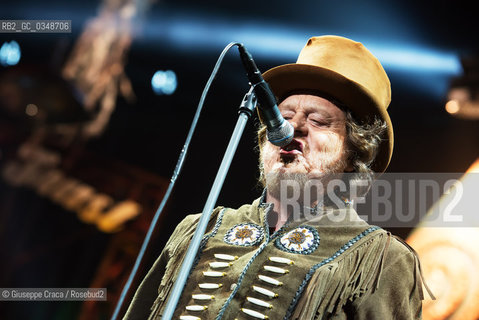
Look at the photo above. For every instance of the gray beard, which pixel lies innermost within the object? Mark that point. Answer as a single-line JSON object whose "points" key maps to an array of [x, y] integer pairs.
{"points": [[307, 190], [276, 180]]}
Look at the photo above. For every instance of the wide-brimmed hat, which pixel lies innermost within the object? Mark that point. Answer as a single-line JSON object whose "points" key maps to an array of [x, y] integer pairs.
{"points": [[346, 71]]}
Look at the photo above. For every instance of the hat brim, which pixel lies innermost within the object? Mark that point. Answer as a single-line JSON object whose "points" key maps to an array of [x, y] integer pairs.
{"points": [[286, 79]]}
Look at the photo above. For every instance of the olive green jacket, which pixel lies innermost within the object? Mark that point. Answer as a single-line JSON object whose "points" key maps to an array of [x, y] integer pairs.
{"points": [[330, 266]]}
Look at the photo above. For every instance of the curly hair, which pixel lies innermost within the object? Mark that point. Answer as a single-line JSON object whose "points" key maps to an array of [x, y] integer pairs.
{"points": [[363, 140]]}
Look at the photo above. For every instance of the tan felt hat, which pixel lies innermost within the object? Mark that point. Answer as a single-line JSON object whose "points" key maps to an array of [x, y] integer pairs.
{"points": [[348, 72]]}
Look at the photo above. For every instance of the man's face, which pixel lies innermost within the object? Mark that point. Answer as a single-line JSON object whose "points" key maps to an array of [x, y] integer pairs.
{"points": [[319, 145]]}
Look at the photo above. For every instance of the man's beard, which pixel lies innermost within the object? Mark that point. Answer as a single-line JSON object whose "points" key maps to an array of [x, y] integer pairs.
{"points": [[310, 188]]}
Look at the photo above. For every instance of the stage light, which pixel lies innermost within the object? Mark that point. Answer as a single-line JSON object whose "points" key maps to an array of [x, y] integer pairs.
{"points": [[474, 168], [452, 106], [282, 43], [164, 82], [463, 95], [31, 110], [10, 53], [424, 69], [448, 251]]}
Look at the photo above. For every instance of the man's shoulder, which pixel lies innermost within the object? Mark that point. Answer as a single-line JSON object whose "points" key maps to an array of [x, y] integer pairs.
{"points": [[193, 219], [398, 252], [249, 207]]}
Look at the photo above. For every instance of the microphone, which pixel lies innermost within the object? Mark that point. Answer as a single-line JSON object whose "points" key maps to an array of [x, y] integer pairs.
{"points": [[279, 131]]}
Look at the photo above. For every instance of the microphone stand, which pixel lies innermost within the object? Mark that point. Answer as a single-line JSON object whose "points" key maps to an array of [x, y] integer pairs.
{"points": [[245, 112]]}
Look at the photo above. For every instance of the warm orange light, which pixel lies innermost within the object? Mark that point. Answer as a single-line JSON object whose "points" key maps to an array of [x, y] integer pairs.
{"points": [[449, 255], [452, 106], [474, 167]]}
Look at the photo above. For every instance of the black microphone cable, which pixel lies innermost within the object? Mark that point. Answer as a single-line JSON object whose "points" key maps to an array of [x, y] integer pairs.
{"points": [[175, 175]]}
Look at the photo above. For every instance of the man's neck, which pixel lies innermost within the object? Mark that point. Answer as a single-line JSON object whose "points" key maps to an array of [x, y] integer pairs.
{"points": [[280, 213]]}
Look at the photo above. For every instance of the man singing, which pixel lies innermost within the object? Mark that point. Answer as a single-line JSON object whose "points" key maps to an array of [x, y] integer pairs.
{"points": [[301, 251]]}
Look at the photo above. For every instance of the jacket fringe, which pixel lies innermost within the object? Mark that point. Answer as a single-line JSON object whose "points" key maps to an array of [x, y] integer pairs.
{"points": [[176, 255], [419, 276], [347, 278], [171, 272]]}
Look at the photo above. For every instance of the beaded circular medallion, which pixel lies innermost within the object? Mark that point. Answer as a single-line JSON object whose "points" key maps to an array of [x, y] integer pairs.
{"points": [[303, 240], [245, 234]]}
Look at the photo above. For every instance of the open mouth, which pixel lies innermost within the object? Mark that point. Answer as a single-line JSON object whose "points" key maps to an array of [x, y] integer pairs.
{"points": [[295, 147]]}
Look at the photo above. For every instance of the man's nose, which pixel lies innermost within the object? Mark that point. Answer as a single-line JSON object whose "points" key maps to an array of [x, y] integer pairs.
{"points": [[299, 124]]}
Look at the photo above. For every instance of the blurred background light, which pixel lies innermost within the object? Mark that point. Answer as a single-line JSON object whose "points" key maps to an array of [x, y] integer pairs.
{"points": [[273, 41], [422, 67], [10, 53], [452, 106], [164, 82], [463, 91], [31, 110], [179, 29]]}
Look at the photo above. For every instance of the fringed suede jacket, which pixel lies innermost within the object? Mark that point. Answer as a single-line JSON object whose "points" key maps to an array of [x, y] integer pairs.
{"points": [[331, 266]]}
